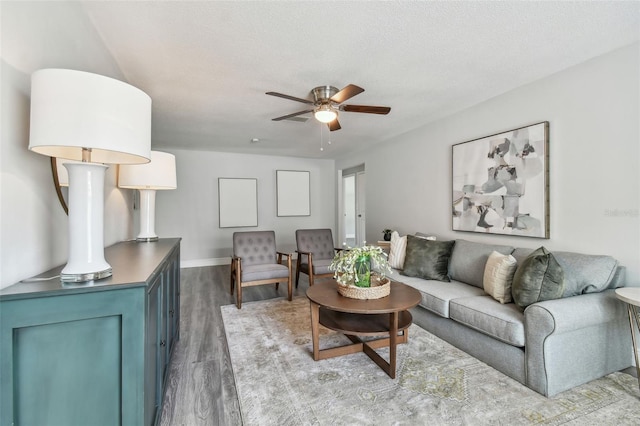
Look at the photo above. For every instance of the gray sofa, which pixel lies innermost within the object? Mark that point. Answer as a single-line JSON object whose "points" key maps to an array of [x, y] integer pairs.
{"points": [[553, 345]]}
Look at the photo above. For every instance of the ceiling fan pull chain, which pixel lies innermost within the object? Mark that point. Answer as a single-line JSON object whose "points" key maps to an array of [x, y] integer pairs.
{"points": [[321, 136]]}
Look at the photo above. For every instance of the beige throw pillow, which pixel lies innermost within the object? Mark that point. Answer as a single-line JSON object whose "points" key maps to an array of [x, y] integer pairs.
{"points": [[498, 276], [397, 250]]}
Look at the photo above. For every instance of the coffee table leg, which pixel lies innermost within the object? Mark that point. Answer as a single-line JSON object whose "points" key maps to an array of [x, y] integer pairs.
{"points": [[315, 329], [634, 315], [393, 342]]}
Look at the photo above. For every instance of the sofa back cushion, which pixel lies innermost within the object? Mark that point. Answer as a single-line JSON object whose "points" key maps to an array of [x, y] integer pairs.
{"points": [[468, 261], [521, 254], [584, 273]]}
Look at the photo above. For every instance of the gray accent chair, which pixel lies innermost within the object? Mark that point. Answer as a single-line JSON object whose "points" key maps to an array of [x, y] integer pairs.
{"points": [[315, 253], [256, 261]]}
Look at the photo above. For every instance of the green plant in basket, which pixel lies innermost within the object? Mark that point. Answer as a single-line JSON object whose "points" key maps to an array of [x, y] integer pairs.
{"points": [[353, 265]]}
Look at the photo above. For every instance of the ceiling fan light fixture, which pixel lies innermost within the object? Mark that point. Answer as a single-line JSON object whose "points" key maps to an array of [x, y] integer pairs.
{"points": [[325, 113]]}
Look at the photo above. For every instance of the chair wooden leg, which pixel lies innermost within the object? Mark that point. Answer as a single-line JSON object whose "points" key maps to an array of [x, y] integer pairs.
{"points": [[232, 282], [298, 270], [290, 286], [310, 277], [239, 297], [277, 285]]}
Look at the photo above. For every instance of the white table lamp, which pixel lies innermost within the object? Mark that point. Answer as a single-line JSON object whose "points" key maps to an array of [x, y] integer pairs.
{"points": [[158, 174], [93, 119]]}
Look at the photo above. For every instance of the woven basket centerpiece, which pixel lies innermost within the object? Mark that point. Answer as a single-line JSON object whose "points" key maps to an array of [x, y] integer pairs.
{"points": [[355, 275], [380, 287]]}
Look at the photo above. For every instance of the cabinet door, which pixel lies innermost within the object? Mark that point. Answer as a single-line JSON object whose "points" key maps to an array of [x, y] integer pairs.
{"points": [[174, 304], [163, 330], [153, 379], [72, 359]]}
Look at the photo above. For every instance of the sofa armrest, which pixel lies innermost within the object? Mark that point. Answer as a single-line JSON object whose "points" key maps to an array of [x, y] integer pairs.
{"points": [[573, 340], [571, 313]]}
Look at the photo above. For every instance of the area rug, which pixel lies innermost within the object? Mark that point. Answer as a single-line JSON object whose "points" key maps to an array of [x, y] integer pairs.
{"points": [[279, 383]]}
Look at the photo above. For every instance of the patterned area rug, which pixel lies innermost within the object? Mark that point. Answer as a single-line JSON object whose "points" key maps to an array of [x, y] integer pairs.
{"points": [[279, 383]]}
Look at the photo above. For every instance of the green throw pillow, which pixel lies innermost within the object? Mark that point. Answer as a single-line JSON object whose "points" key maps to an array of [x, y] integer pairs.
{"points": [[427, 259], [539, 277]]}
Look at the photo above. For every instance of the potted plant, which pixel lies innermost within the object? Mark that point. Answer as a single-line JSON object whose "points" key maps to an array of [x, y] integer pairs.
{"points": [[386, 234], [353, 270]]}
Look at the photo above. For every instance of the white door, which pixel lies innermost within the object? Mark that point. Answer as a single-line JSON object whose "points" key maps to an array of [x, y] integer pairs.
{"points": [[360, 208], [349, 210]]}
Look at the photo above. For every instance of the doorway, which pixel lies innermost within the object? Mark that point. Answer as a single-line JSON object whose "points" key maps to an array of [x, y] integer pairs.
{"points": [[353, 217]]}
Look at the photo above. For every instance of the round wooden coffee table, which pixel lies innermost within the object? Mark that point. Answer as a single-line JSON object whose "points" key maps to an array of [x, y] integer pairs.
{"points": [[387, 317]]}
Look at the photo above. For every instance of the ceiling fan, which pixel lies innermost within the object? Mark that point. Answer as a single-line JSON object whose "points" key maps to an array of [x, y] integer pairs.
{"points": [[327, 101]]}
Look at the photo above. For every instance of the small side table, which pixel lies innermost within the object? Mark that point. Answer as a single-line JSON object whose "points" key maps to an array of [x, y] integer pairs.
{"points": [[384, 245], [631, 296]]}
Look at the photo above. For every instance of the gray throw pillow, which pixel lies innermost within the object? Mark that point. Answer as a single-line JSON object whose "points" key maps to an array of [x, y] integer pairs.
{"points": [[427, 259], [539, 277]]}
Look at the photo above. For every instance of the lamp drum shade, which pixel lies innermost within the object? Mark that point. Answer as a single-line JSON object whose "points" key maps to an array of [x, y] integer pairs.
{"points": [[159, 173], [72, 110]]}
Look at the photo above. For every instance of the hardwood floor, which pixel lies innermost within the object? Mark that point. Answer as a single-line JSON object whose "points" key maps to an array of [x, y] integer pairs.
{"points": [[200, 385]]}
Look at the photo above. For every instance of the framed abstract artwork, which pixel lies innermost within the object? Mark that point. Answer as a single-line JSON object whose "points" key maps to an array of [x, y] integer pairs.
{"points": [[238, 202], [500, 183], [292, 194]]}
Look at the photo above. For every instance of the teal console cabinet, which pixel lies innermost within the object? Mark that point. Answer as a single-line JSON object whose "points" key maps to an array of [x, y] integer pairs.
{"points": [[94, 353]]}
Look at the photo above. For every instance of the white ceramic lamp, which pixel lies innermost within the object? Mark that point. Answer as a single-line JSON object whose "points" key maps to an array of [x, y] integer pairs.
{"points": [[93, 119], [159, 174]]}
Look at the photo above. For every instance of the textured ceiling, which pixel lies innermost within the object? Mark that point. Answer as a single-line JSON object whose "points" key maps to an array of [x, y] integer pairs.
{"points": [[207, 65]]}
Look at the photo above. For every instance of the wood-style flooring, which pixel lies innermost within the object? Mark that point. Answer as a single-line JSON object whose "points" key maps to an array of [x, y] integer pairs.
{"points": [[200, 386]]}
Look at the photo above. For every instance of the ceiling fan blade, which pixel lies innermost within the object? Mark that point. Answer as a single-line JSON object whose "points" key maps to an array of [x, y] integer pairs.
{"points": [[366, 109], [291, 98], [284, 117], [348, 92], [334, 125]]}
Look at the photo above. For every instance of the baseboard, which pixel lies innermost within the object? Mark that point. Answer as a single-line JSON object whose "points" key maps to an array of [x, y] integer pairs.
{"points": [[196, 263]]}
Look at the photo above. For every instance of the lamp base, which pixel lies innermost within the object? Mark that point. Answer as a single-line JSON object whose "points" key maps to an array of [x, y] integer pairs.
{"points": [[86, 276], [146, 239], [86, 217]]}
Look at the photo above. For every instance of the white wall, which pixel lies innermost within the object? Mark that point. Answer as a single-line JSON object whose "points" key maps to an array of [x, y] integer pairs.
{"points": [[594, 121], [191, 211]]}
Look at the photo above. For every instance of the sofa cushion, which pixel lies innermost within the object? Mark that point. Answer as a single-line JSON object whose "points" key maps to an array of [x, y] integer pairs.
{"points": [[469, 259], [427, 259], [482, 313], [498, 276], [397, 250], [520, 254], [320, 266], [264, 272], [585, 273], [539, 277], [437, 294]]}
